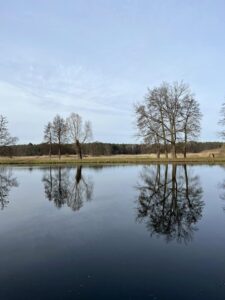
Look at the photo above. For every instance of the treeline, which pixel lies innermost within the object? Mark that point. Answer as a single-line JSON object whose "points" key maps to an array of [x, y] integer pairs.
{"points": [[97, 149]]}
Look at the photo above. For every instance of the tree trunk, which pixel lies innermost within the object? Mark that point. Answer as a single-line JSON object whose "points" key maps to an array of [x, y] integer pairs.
{"points": [[50, 172], [164, 134], [185, 151], [185, 144], [158, 146], [173, 139], [50, 150], [78, 174], [186, 183], [173, 150], [158, 175], [174, 188], [166, 151], [59, 152], [60, 183], [79, 150], [158, 152], [165, 181]]}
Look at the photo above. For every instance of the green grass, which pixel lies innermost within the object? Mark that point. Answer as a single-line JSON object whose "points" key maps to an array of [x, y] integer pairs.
{"points": [[117, 159]]}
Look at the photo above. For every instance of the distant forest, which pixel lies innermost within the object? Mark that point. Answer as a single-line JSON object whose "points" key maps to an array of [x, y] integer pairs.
{"points": [[97, 148]]}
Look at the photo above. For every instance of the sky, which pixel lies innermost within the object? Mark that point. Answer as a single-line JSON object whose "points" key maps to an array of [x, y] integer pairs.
{"points": [[98, 57]]}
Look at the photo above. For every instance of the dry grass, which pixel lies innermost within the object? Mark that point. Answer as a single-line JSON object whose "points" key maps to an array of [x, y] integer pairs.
{"points": [[203, 157]]}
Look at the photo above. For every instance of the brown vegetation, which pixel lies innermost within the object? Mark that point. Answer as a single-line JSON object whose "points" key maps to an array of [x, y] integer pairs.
{"points": [[203, 157]]}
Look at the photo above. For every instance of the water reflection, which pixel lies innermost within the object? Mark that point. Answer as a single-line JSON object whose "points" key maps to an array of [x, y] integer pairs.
{"points": [[221, 187], [67, 186], [169, 201], [7, 182]]}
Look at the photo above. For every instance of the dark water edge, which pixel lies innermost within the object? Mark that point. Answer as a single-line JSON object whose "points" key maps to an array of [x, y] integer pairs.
{"points": [[112, 232]]}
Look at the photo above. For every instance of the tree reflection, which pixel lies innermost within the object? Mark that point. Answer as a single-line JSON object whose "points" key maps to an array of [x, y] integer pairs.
{"points": [[221, 186], [169, 201], [67, 186], [7, 182]]}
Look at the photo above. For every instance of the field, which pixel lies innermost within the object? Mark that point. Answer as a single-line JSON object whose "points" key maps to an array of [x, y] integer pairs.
{"points": [[202, 157]]}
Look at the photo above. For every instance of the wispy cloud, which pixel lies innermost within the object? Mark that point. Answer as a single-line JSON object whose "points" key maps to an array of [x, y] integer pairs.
{"points": [[68, 87], [46, 89]]}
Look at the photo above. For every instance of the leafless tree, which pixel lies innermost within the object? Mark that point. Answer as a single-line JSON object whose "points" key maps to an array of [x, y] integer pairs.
{"points": [[59, 131], [170, 114], [222, 121], [78, 132], [48, 136], [148, 126], [191, 127], [5, 137]]}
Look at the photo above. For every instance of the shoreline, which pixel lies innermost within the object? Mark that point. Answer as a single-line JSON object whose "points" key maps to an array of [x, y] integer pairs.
{"points": [[117, 159]]}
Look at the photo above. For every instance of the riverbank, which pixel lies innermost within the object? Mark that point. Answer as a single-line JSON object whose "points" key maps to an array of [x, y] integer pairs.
{"points": [[116, 159]]}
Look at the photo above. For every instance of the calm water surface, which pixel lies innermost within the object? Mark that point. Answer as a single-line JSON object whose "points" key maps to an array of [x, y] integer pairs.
{"points": [[121, 232]]}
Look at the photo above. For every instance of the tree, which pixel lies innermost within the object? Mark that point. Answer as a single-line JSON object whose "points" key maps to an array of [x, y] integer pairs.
{"points": [[190, 112], [148, 127], [78, 132], [5, 138], [153, 118], [169, 114], [222, 121], [59, 130], [48, 136]]}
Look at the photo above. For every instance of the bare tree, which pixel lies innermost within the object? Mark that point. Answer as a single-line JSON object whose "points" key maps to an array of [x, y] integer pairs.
{"points": [[5, 138], [148, 126], [169, 114], [59, 130], [48, 136], [191, 127], [222, 121], [78, 132]]}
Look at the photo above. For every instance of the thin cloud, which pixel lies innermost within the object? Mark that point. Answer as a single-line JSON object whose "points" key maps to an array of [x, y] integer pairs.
{"points": [[67, 87]]}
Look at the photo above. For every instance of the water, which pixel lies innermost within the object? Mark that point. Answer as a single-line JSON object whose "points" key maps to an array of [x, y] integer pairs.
{"points": [[121, 232]]}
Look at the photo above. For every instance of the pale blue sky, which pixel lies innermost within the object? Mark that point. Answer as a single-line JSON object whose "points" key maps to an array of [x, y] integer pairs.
{"points": [[98, 57]]}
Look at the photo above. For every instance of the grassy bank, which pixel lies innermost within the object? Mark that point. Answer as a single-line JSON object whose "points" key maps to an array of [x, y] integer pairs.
{"points": [[116, 159]]}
